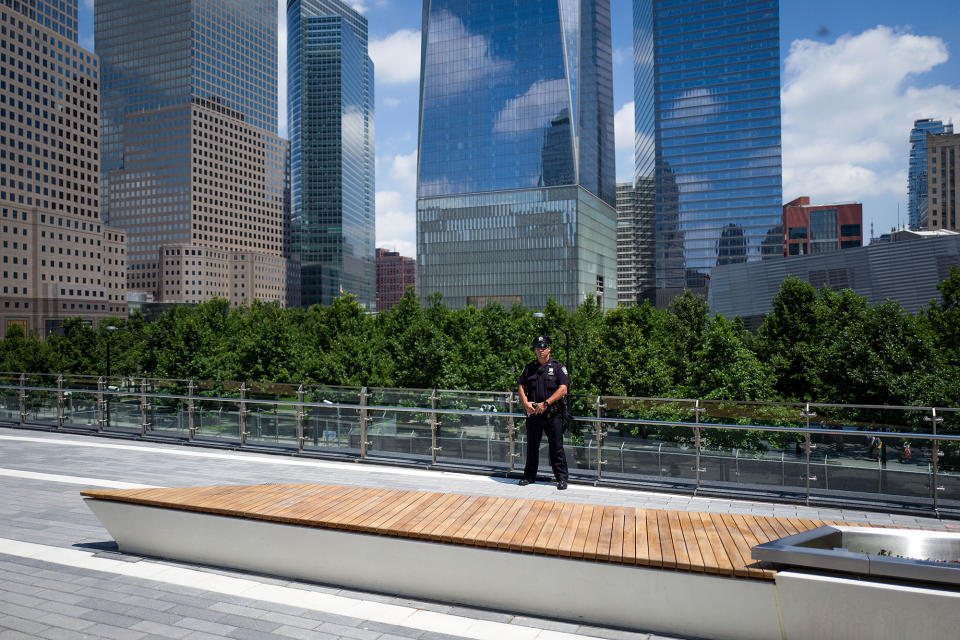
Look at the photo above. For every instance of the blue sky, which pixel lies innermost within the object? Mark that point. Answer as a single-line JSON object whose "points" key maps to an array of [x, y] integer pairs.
{"points": [[855, 75]]}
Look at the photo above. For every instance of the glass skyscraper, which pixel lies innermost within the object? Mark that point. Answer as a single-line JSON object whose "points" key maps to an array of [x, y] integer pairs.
{"points": [[707, 110], [330, 123], [917, 185], [515, 183], [191, 164]]}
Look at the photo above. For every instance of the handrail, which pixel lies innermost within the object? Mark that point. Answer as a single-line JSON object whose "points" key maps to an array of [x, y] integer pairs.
{"points": [[497, 428]]}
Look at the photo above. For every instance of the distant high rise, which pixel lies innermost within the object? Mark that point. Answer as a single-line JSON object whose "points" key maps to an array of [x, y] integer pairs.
{"points": [[59, 259], [330, 122], [943, 163], [635, 244], [395, 273], [917, 185], [707, 125], [192, 167], [515, 184]]}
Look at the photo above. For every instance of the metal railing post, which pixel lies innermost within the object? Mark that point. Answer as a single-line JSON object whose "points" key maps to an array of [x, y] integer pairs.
{"points": [[243, 414], [935, 487], [697, 410], [101, 404], [433, 428], [512, 431], [144, 424], [807, 414], [299, 419], [600, 433], [191, 418], [23, 398], [363, 423], [60, 402]]}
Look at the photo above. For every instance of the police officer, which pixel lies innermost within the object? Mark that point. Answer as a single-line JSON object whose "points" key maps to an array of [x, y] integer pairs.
{"points": [[542, 384]]}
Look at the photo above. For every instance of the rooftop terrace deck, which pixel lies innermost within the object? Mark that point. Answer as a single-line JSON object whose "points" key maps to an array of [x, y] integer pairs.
{"points": [[59, 574]]}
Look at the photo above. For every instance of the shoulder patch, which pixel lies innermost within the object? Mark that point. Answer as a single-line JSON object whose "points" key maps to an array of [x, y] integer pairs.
{"points": [[564, 369]]}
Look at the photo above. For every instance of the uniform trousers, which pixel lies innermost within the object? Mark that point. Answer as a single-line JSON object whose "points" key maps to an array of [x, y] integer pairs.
{"points": [[537, 425]]}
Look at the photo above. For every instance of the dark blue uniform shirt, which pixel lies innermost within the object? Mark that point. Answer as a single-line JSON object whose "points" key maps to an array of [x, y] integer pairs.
{"points": [[540, 381]]}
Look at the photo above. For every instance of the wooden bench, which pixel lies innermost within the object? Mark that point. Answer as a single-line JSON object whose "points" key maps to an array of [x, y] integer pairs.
{"points": [[717, 543]]}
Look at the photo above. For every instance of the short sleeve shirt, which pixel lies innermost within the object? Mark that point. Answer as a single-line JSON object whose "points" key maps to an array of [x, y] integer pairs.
{"points": [[540, 381]]}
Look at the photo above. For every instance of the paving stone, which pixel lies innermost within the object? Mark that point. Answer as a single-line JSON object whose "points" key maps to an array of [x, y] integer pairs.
{"points": [[24, 625], [159, 629], [348, 632], [303, 634], [206, 626]]}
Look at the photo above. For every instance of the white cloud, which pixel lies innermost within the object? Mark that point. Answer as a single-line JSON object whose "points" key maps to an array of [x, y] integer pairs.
{"points": [[403, 171], [397, 203], [538, 103], [623, 127], [89, 4], [621, 54], [360, 7], [848, 107], [396, 222], [396, 58], [391, 102]]}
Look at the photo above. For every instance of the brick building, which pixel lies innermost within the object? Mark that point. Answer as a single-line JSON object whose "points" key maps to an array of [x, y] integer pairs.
{"points": [[821, 228], [394, 274]]}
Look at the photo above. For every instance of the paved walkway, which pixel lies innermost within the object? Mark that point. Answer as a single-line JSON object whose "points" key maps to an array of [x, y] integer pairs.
{"points": [[61, 578]]}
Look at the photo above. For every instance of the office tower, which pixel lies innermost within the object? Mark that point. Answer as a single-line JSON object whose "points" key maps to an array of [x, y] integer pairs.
{"points": [[192, 167], [330, 121], [707, 118], [917, 180], [515, 184], [58, 16], [943, 174], [58, 258], [395, 273], [812, 229], [635, 246]]}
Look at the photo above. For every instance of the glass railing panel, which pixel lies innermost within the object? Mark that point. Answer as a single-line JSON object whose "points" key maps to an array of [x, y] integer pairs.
{"points": [[122, 411], [272, 425], [482, 437], [41, 408], [217, 420], [10, 403], [649, 447], [863, 465], [80, 410], [329, 426], [403, 434], [168, 417], [948, 468]]}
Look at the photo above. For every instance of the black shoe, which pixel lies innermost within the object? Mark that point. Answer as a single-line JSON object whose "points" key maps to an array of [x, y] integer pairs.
{"points": [[561, 485], [524, 482]]}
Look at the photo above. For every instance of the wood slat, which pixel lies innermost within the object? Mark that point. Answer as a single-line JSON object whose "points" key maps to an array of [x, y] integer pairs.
{"points": [[716, 543]]}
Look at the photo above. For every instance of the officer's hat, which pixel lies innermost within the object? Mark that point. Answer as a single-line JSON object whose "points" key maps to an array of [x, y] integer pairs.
{"points": [[541, 342]]}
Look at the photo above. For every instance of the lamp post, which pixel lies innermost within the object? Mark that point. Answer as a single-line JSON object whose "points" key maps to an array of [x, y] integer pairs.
{"points": [[566, 345], [109, 340]]}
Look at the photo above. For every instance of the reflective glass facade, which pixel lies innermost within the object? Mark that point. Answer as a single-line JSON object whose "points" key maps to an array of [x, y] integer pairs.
{"points": [[707, 109], [190, 156], [169, 53], [917, 186], [331, 124], [515, 184]]}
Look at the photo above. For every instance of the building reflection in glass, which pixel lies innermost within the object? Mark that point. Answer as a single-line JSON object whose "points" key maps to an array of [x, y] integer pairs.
{"points": [[515, 185], [707, 109]]}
